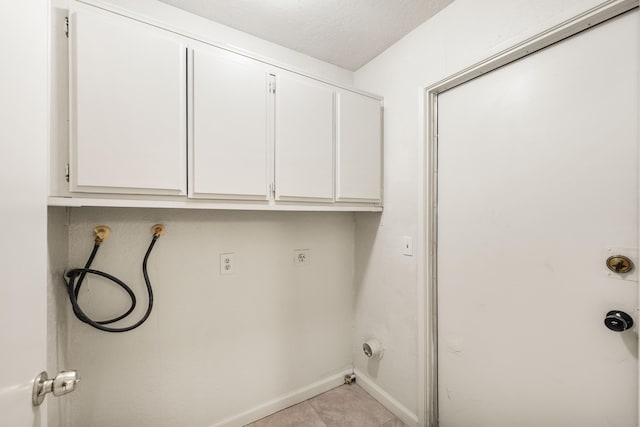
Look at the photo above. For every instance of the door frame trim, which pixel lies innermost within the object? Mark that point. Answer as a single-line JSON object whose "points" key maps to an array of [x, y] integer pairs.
{"points": [[428, 336]]}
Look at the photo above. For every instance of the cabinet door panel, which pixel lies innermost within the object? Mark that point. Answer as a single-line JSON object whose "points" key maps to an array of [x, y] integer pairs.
{"points": [[304, 140], [128, 106], [230, 121], [359, 148]]}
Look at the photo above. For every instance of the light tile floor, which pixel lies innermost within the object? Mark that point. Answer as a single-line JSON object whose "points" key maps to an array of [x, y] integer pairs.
{"points": [[344, 406]]}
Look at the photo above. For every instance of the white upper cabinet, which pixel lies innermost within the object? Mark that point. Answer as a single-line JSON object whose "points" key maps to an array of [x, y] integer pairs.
{"points": [[128, 106], [358, 148], [154, 112], [231, 121], [304, 139]]}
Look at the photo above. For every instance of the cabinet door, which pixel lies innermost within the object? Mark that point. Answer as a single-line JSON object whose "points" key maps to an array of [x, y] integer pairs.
{"points": [[128, 106], [230, 145], [359, 148], [304, 139]]}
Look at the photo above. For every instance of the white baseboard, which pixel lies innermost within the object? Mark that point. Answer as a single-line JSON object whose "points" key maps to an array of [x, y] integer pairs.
{"points": [[285, 401], [399, 410]]}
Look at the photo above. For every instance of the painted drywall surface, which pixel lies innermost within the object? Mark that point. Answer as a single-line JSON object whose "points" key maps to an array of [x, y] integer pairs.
{"points": [[57, 304], [388, 286], [215, 345]]}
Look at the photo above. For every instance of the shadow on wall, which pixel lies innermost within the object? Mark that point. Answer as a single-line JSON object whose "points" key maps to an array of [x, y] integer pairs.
{"points": [[373, 365], [631, 342], [57, 309], [367, 225]]}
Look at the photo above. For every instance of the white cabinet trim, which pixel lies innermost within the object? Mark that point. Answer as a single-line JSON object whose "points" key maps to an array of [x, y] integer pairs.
{"points": [[183, 203]]}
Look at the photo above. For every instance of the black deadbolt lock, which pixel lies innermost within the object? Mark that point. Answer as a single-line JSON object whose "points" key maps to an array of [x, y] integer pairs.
{"points": [[618, 321]]}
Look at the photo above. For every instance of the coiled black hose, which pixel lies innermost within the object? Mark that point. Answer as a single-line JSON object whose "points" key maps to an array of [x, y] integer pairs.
{"points": [[73, 289]]}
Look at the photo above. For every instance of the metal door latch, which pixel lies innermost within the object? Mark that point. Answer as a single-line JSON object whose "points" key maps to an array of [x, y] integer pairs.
{"points": [[63, 383]]}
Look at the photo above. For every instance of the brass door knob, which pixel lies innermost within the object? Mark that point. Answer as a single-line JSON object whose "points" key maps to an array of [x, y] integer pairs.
{"points": [[619, 264]]}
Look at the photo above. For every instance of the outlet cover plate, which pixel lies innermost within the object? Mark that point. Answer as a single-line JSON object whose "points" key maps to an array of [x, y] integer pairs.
{"points": [[227, 264]]}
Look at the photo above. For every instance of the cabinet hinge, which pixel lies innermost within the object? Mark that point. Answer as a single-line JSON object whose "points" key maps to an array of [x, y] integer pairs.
{"points": [[272, 189], [272, 84], [66, 172], [66, 26]]}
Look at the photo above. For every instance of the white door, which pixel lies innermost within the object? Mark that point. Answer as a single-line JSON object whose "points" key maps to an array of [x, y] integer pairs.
{"points": [[23, 185], [537, 179]]}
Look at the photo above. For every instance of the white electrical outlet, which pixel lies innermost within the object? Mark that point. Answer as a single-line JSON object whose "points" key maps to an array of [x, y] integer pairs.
{"points": [[227, 264], [301, 256]]}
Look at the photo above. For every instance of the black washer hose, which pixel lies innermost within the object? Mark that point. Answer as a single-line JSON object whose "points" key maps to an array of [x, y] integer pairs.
{"points": [[73, 289]]}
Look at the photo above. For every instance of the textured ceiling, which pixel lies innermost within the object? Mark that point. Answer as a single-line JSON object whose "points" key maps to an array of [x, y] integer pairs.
{"points": [[347, 33]]}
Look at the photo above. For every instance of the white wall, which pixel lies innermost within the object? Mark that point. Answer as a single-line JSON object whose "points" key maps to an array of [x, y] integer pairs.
{"points": [[215, 346], [389, 291], [216, 349]]}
